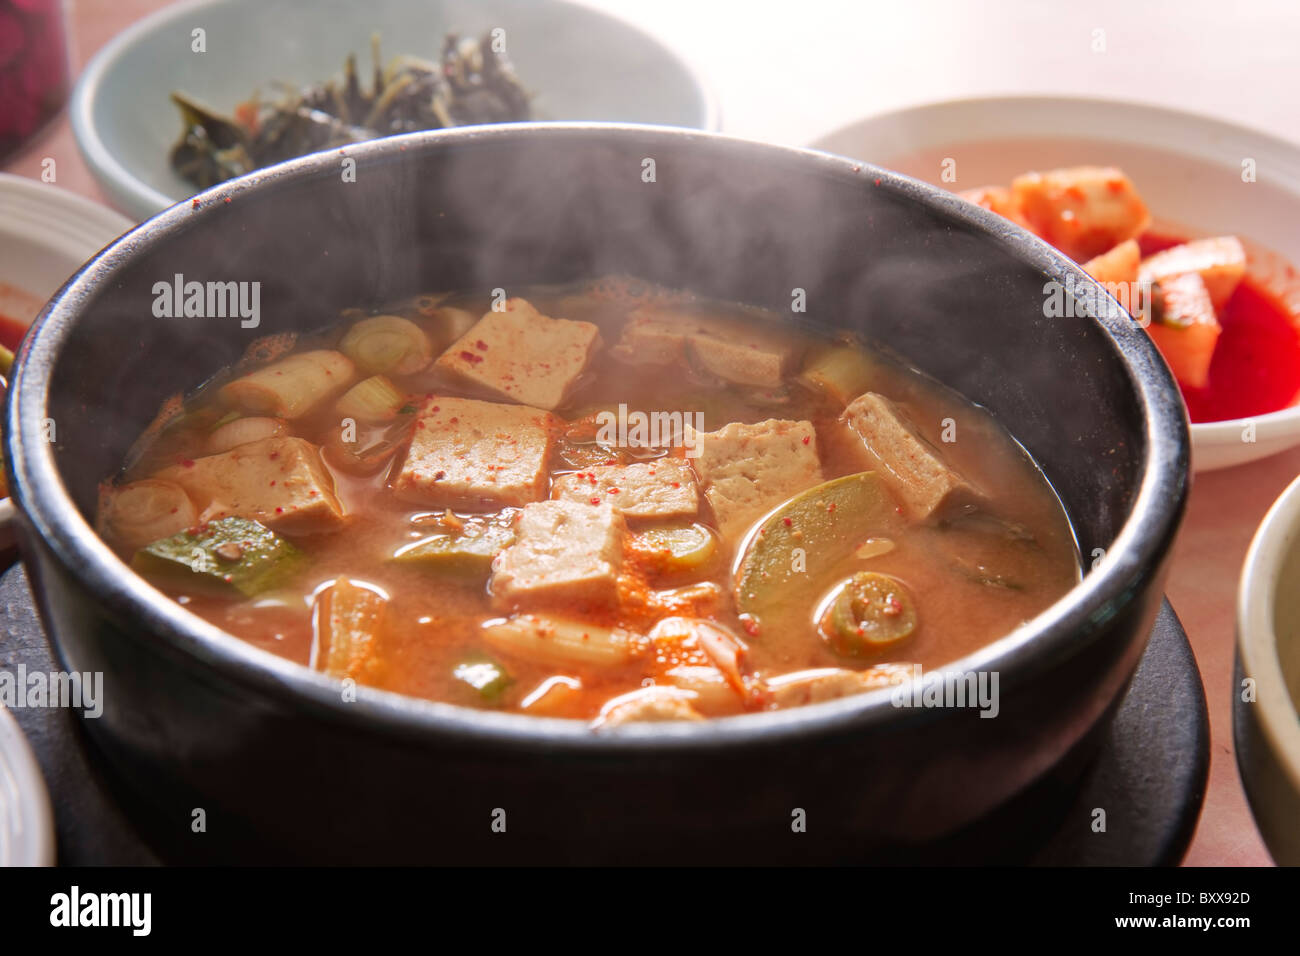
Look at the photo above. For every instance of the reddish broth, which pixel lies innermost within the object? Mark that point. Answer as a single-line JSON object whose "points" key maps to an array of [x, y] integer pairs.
{"points": [[435, 621]]}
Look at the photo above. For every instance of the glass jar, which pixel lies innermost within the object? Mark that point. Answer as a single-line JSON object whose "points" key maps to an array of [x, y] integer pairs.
{"points": [[34, 73]]}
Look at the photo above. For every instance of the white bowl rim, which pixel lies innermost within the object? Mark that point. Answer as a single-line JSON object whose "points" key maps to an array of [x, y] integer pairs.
{"points": [[42, 211], [54, 208], [30, 824], [137, 194], [1279, 424], [1278, 719]]}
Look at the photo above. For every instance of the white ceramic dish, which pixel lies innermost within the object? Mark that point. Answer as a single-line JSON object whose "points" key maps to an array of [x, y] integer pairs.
{"points": [[46, 233], [1267, 728], [1188, 168], [581, 64], [26, 822]]}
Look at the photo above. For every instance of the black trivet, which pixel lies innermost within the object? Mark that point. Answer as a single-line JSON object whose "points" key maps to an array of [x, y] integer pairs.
{"points": [[1149, 776]]}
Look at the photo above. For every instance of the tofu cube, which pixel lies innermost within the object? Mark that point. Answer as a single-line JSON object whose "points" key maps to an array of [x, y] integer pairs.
{"points": [[654, 336], [735, 349], [520, 355], [1185, 329], [912, 468], [1220, 262], [1082, 210], [467, 452], [747, 470], [280, 482], [564, 552], [664, 488]]}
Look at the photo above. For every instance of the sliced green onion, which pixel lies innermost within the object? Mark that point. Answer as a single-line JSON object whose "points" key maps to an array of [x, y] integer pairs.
{"points": [[372, 400], [241, 431], [291, 387], [144, 511], [387, 344]]}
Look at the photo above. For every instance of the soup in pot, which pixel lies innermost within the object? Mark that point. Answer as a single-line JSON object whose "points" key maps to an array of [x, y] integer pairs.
{"points": [[608, 501]]}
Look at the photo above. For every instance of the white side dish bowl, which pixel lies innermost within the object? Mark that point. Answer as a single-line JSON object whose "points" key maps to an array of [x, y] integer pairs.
{"points": [[1189, 169]]}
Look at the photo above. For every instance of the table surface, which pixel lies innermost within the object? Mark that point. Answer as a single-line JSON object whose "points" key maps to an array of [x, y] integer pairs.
{"points": [[790, 78]]}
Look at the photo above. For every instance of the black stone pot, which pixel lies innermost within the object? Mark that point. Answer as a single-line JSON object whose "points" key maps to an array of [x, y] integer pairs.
{"points": [[285, 769]]}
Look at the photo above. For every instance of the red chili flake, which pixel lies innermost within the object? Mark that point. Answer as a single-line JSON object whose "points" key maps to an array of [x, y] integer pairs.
{"points": [[453, 420], [677, 484], [273, 484], [877, 182], [312, 494], [439, 476], [227, 199], [613, 491], [806, 439], [470, 357], [279, 511], [436, 408], [788, 523], [831, 506], [187, 462], [751, 627], [595, 501], [194, 204], [419, 423], [481, 345]]}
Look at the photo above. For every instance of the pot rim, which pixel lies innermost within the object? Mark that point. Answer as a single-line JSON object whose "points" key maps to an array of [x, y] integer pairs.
{"points": [[49, 514]]}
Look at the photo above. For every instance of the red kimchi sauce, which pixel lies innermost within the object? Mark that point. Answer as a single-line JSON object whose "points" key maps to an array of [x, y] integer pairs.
{"points": [[11, 332], [1256, 364]]}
